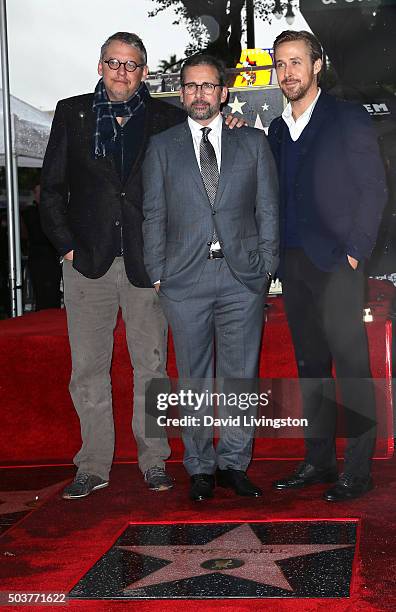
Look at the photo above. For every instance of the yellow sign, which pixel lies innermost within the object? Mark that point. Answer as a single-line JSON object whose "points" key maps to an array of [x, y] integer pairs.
{"points": [[251, 58]]}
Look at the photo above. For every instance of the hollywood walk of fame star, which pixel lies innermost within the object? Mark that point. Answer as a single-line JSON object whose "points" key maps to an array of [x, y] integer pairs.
{"points": [[226, 553], [265, 107], [25, 501], [236, 106]]}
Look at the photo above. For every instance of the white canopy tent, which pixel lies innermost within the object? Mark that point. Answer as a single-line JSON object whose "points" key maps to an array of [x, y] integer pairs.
{"points": [[22, 143], [27, 138], [30, 131]]}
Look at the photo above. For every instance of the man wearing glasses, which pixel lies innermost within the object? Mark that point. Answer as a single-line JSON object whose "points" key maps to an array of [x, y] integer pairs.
{"points": [[91, 211], [210, 245]]}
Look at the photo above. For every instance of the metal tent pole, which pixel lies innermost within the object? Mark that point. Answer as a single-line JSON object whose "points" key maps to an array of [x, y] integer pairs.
{"points": [[12, 205], [17, 235]]}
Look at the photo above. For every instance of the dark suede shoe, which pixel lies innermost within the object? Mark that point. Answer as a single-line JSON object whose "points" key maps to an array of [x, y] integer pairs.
{"points": [[237, 480], [83, 485], [157, 479], [202, 486], [348, 487], [306, 474]]}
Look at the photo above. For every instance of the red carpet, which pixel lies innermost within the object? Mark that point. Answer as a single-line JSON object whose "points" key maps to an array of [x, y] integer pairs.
{"points": [[53, 546], [47, 544], [39, 424]]}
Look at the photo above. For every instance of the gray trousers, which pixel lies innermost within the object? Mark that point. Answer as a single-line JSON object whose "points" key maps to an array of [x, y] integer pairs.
{"points": [[92, 307], [220, 317]]}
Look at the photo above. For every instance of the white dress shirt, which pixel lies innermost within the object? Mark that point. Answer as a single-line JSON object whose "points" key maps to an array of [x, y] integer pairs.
{"points": [[297, 126], [214, 137]]}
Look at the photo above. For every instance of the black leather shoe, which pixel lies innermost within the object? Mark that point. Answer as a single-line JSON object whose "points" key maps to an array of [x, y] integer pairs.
{"points": [[237, 480], [306, 474], [202, 486], [348, 487]]}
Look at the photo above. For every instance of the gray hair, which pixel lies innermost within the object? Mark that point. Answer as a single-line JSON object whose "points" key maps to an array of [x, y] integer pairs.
{"points": [[204, 59], [129, 39]]}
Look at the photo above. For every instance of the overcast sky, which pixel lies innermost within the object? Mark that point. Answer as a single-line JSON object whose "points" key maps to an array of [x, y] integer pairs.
{"points": [[54, 44]]}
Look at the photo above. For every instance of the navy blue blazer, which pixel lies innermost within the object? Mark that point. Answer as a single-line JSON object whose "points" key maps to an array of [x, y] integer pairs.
{"points": [[340, 188]]}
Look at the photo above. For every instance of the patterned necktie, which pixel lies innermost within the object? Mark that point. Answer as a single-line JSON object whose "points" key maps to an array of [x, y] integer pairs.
{"points": [[209, 169]]}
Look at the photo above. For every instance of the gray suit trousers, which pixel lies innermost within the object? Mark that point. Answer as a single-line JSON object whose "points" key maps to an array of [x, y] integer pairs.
{"points": [[220, 320], [92, 307]]}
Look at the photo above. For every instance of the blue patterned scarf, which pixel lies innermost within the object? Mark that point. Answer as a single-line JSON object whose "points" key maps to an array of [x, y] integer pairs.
{"points": [[107, 111]]}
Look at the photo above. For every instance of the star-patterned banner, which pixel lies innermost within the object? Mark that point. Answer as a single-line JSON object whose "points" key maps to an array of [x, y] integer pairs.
{"points": [[257, 105], [225, 560]]}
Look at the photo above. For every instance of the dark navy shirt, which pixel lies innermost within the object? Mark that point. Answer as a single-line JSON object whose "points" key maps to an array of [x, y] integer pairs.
{"points": [[128, 144], [126, 150], [293, 152]]}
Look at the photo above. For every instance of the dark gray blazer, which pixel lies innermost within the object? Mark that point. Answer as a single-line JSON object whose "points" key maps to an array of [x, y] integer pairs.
{"points": [[178, 219]]}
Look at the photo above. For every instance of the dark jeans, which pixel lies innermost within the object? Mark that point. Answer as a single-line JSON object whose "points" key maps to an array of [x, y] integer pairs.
{"points": [[325, 315]]}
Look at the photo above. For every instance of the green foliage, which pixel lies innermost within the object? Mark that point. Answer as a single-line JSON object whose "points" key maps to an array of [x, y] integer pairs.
{"points": [[172, 62]]}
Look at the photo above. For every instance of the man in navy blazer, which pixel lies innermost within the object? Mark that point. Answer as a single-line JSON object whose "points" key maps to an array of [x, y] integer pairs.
{"points": [[332, 190]]}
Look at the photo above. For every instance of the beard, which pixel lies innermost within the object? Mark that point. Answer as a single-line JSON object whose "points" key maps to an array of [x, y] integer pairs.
{"points": [[207, 112], [299, 91]]}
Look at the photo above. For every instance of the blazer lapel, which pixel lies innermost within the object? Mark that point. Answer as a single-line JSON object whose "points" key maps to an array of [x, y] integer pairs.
{"points": [[279, 151], [146, 135], [228, 152]]}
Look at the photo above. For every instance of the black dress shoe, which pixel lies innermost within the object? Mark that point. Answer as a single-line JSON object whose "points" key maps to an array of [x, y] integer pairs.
{"points": [[237, 480], [348, 487], [202, 486], [306, 474]]}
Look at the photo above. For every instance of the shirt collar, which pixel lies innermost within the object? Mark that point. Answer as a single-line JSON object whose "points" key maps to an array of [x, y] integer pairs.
{"points": [[215, 125], [288, 116]]}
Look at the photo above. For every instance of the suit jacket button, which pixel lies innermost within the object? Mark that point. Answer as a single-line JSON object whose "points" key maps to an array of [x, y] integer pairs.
{"points": [[213, 212], [208, 243], [123, 194]]}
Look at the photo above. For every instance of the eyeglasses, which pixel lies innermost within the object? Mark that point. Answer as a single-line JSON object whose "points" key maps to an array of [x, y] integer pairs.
{"points": [[130, 65], [206, 88]]}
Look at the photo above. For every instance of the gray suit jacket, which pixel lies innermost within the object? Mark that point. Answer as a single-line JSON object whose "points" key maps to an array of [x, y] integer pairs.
{"points": [[178, 219]]}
